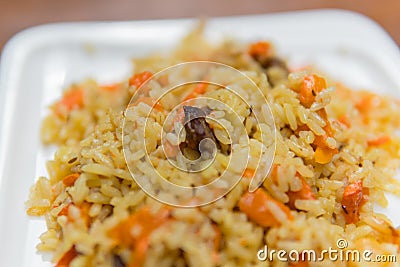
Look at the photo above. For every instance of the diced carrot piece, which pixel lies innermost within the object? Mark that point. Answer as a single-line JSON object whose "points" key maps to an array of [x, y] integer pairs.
{"points": [[344, 120], [352, 201], [368, 102], [135, 231], [150, 102], [64, 211], [274, 173], [140, 78], [320, 141], [69, 180], [139, 253], [199, 89], [310, 87], [304, 193], [248, 173], [379, 141], [67, 258], [163, 80], [261, 208], [261, 48], [71, 100], [324, 155]]}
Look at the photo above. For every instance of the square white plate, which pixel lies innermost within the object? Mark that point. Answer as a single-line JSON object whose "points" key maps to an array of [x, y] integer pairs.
{"points": [[39, 62]]}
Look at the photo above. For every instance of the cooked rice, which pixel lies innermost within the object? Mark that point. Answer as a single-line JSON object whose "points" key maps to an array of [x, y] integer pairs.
{"points": [[81, 215]]}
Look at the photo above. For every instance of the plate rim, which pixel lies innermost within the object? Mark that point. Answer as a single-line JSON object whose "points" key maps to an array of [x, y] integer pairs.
{"points": [[14, 53]]}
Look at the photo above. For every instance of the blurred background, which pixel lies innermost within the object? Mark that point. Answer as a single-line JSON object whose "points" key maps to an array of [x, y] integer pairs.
{"points": [[16, 15]]}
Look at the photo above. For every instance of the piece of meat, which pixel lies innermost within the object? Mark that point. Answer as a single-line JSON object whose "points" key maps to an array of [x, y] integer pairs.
{"points": [[196, 127]]}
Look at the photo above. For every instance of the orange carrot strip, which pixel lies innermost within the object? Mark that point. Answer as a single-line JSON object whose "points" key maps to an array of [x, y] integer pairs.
{"points": [[310, 87], [67, 258], [305, 193], [379, 141], [352, 201], [145, 223], [257, 206], [274, 173], [320, 140], [69, 180], [323, 153], [140, 78], [261, 48]]}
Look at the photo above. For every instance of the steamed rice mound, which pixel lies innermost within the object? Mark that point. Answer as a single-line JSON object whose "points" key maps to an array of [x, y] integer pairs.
{"points": [[337, 153]]}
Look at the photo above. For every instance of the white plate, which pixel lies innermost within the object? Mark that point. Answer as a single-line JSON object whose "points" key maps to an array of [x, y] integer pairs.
{"points": [[39, 62]]}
